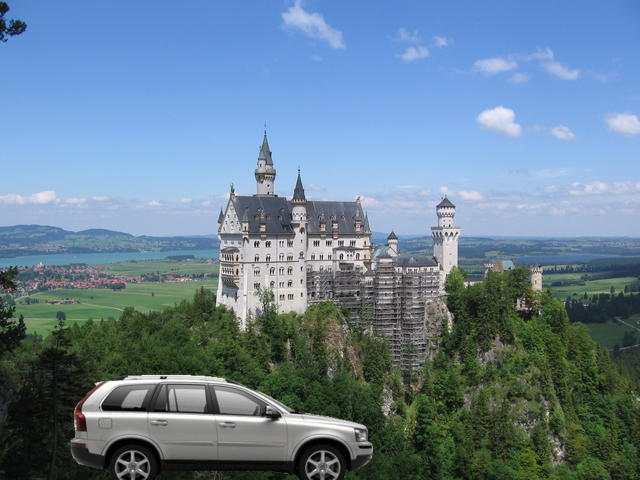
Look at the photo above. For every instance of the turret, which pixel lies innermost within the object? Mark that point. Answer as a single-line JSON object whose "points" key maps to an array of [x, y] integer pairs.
{"points": [[392, 243], [445, 236], [299, 202], [445, 211], [265, 173], [536, 278]]}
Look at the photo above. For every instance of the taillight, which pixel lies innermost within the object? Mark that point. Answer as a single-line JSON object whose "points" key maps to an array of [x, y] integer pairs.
{"points": [[78, 416]]}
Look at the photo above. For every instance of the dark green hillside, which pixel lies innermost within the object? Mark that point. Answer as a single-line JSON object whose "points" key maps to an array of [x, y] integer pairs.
{"points": [[40, 239], [509, 396]]}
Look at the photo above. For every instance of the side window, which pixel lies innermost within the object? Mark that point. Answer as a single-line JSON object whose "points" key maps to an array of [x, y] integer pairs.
{"points": [[235, 402], [128, 398], [181, 399]]}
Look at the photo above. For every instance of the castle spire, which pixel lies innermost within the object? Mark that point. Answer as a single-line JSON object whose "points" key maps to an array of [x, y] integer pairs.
{"points": [[265, 173], [265, 152], [298, 192]]}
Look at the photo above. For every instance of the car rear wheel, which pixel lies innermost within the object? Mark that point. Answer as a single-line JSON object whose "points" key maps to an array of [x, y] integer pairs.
{"points": [[133, 462], [322, 462]]}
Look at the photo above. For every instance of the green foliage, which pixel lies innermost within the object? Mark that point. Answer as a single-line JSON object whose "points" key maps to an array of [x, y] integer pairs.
{"points": [[509, 395], [9, 28]]}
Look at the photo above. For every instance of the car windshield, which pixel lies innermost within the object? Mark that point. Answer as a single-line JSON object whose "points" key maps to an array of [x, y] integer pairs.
{"points": [[279, 404]]}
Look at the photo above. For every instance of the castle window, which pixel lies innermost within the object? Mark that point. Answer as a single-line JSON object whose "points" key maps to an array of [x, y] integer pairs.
{"points": [[267, 244], [309, 268], [256, 244], [316, 243], [256, 258], [334, 225], [245, 227], [328, 269], [321, 256], [357, 256], [342, 256], [281, 243], [352, 243], [272, 284], [290, 283], [272, 271], [281, 297], [256, 286], [263, 227], [341, 243], [256, 272], [281, 284], [290, 270], [289, 258], [313, 256], [290, 296], [290, 243], [281, 257], [329, 243], [301, 254], [281, 270], [323, 227], [329, 257], [268, 258], [322, 268]]}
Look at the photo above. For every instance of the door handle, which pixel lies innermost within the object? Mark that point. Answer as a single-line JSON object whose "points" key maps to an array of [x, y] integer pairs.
{"points": [[159, 422], [228, 425]]}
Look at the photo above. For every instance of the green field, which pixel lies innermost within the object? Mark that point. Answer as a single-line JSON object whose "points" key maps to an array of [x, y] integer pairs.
{"points": [[104, 303], [590, 286], [610, 333], [181, 267]]}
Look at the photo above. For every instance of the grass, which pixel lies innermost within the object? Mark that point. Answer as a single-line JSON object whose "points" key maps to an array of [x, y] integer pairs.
{"points": [[610, 333], [181, 267], [104, 303], [590, 286]]}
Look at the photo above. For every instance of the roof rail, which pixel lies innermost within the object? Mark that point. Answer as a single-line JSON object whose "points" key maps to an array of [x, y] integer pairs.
{"points": [[174, 377]]}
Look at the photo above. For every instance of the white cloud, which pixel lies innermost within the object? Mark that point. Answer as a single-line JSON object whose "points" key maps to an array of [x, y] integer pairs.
{"points": [[314, 188], [518, 78], [407, 36], [186, 200], [471, 195], [594, 188], [562, 132], [494, 66], [312, 25], [425, 192], [626, 123], [368, 202], [501, 120], [75, 201], [445, 190], [414, 53], [440, 42], [40, 198], [206, 203], [546, 54], [406, 187], [561, 71], [100, 198], [153, 203]]}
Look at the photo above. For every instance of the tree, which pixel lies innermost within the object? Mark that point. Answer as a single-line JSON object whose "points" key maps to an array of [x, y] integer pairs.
{"points": [[9, 28], [61, 316], [12, 331]]}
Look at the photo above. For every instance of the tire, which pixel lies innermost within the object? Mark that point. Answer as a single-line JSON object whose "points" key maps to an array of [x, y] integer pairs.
{"points": [[322, 462], [131, 456]]}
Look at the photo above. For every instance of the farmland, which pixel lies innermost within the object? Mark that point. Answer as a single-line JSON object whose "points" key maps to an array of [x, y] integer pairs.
{"points": [[104, 303]]}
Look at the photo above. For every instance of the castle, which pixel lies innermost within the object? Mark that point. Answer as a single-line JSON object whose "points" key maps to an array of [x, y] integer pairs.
{"points": [[308, 251]]}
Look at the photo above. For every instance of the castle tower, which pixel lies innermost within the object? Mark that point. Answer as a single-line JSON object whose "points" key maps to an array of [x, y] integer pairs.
{"points": [[299, 202], [536, 278], [392, 243], [265, 173], [445, 236]]}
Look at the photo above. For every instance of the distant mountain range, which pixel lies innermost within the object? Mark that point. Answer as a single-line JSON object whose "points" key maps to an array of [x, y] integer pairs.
{"points": [[20, 240]]}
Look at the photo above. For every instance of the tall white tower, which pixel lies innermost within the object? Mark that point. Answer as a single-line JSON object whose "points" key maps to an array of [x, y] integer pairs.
{"points": [[445, 236], [265, 173], [536, 278]]}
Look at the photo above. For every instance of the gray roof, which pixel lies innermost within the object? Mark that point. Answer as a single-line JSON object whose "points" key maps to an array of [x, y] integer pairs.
{"points": [[265, 153], [298, 192], [446, 203], [230, 250], [221, 217], [267, 209], [392, 236], [344, 213], [418, 261]]}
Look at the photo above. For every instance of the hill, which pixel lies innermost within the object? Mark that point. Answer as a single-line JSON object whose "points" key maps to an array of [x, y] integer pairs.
{"points": [[508, 395], [42, 239]]}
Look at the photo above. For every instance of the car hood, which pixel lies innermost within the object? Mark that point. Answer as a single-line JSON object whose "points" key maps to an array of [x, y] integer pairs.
{"points": [[331, 420]]}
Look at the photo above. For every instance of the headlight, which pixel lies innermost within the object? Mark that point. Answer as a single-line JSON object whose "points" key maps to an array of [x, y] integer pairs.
{"points": [[361, 434]]}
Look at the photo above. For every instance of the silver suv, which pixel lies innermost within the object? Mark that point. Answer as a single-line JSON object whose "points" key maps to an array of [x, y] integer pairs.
{"points": [[138, 426]]}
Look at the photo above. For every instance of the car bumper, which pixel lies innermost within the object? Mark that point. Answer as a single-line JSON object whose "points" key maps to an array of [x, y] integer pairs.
{"points": [[363, 456], [83, 456]]}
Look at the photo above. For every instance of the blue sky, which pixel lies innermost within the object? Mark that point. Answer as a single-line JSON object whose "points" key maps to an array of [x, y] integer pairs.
{"points": [[136, 116]]}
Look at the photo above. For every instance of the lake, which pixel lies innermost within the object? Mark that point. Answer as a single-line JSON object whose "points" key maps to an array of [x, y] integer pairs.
{"points": [[100, 258]]}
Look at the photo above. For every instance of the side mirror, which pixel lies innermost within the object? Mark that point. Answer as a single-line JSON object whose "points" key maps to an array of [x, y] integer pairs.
{"points": [[271, 413]]}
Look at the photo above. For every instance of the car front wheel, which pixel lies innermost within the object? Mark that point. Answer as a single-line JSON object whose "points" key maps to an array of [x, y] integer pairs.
{"points": [[322, 462], [133, 462]]}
